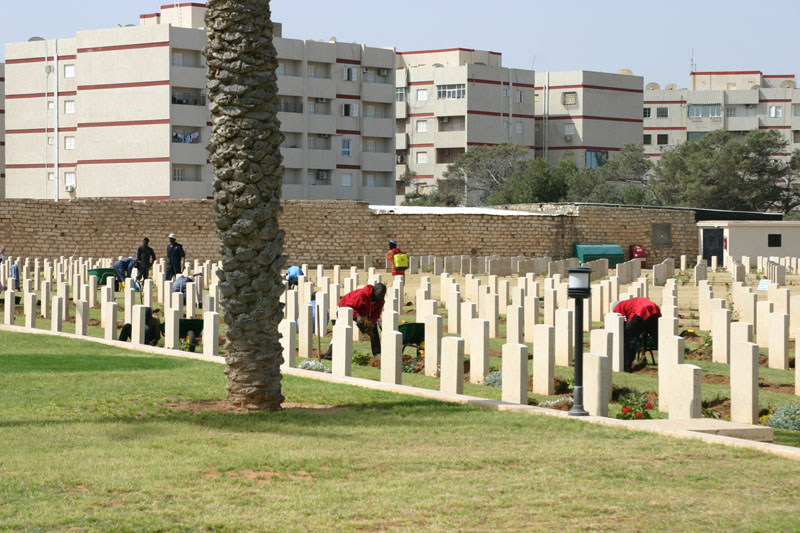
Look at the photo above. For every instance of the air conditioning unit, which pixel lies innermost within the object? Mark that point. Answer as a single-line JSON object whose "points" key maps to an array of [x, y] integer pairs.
{"points": [[567, 137], [383, 72], [444, 119], [322, 175], [69, 188], [322, 100], [364, 69], [324, 135]]}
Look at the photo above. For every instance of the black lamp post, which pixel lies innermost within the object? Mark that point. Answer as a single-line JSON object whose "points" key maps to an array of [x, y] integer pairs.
{"points": [[579, 288]]}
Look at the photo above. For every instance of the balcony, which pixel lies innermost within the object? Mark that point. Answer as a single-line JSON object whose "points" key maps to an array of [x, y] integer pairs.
{"points": [[400, 110], [796, 123], [188, 76], [449, 108], [290, 85], [290, 106], [322, 124], [378, 161], [188, 154], [321, 159], [189, 115], [741, 123], [186, 98], [190, 189], [377, 127], [401, 141], [293, 192], [321, 192], [320, 88], [292, 157], [451, 139], [377, 92]]}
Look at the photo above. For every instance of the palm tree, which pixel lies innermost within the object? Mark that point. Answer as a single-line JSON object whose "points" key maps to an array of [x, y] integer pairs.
{"points": [[244, 150]]}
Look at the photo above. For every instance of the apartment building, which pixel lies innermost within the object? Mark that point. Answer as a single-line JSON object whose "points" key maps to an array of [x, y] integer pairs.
{"points": [[450, 100], [735, 101], [122, 113], [2, 130], [587, 116]]}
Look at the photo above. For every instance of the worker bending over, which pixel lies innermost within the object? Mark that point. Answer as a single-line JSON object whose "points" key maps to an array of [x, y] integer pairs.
{"points": [[640, 315]]}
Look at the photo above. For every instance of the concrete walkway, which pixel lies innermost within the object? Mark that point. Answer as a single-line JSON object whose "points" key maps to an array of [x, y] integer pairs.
{"points": [[705, 429]]}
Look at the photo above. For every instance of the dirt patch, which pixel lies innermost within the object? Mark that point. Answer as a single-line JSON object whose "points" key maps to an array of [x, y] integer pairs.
{"points": [[689, 335], [374, 362], [259, 477], [224, 406], [719, 406], [561, 405], [716, 379], [703, 353], [772, 387], [562, 387]]}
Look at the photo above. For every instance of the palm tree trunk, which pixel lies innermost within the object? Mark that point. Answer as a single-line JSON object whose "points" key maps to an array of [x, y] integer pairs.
{"points": [[244, 150]]}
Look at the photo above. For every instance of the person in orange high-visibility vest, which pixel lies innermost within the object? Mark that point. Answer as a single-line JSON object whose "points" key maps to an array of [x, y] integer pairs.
{"points": [[394, 250]]}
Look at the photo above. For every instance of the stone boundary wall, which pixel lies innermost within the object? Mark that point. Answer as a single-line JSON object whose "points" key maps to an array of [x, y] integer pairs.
{"points": [[340, 232]]}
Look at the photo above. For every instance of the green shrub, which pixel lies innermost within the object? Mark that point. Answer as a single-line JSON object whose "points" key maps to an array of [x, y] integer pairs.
{"points": [[361, 359], [784, 417], [310, 364], [494, 379]]}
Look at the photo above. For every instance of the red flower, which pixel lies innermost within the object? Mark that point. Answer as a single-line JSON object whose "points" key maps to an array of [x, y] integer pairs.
{"points": [[648, 405], [626, 409], [639, 415]]}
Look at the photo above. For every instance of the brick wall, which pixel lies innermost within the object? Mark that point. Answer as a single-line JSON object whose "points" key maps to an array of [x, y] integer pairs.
{"points": [[332, 231]]}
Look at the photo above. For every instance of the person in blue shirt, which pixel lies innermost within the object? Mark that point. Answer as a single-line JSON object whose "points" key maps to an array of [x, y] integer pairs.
{"points": [[14, 274], [292, 274], [124, 267], [179, 285]]}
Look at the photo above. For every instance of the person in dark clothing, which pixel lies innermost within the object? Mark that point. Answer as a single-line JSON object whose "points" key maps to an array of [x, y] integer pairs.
{"points": [[367, 304], [153, 329], [641, 315], [175, 257], [146, 257], [123, 268]]}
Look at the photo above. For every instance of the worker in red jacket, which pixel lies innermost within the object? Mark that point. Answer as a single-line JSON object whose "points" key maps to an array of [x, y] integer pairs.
{"points": [[367, 305], [640, 315], [400, 264]]}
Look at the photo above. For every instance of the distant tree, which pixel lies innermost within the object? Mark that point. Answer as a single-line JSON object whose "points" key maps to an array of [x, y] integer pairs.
{"points": [[635, 195], [590, 185], [721, 172], [484, 170], [631, 170], [534, 182], [447, 193]]}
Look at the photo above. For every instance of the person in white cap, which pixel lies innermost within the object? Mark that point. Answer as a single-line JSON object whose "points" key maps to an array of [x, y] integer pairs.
{"points": [[175, 257]]}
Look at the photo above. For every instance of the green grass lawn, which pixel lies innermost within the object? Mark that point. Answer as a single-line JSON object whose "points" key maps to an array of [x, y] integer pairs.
{"points": [[90, 442]]}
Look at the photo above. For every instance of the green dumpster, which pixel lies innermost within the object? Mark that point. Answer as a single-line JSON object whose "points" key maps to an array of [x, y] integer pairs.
{"points": [[593, 252]]}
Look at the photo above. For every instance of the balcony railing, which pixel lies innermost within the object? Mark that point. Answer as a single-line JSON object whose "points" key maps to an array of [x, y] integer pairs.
{"points": [[186, 137], [290, 106], [189, 99]]}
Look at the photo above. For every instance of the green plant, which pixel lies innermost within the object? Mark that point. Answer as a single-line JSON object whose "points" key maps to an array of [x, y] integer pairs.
{"points": [[634, 407], [360, 358], [310, 364], [409, 368], [784, 417], [494, 379], [707, 341]]}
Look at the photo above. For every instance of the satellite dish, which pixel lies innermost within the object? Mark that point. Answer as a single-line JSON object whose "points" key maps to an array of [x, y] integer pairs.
{"points": [[34, 39], [756, 87], [438, 65], [625, 72], [332, 39], [671, 87], [652, 86], [788, 84], [130, 25]]}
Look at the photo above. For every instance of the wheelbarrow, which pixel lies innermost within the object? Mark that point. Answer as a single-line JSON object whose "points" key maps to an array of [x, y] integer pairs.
{"points": [[413, 336], [102, 274], [190, 329]]}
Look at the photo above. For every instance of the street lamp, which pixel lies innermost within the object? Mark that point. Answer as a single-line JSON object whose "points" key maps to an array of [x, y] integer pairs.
{"points": [[579, 288]]}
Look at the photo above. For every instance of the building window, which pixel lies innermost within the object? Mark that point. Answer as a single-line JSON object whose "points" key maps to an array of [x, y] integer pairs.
{"points": [[774, 240], [350, 110], [178, 174], [569, 128], [535, 97], [69, 70], [662, 112], [775, 111], [705, 110], [369, 180], [519, 128], [347, 180], [797, 110], [569, 98], [451, 92], [350, 74], [596, 158], [730, 112], [422, 95], [695, 135], [50, 104], [400, 94], [520, 96], [422, 126], [646, 112], [51, 176], [506, 93], [318, 177], [647, 139], [422, 157], [662, 138], [371, 146], [69, 143], [69, 179], [732, 86], [50, 140], [69, 107], [346, 147], [568, 156]]}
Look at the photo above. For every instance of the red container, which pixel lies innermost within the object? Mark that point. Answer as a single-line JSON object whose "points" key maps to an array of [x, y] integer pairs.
{"points": [[638, 251]]}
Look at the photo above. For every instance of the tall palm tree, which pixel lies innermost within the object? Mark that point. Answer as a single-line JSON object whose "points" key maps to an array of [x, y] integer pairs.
{"points": [[244, 150]]}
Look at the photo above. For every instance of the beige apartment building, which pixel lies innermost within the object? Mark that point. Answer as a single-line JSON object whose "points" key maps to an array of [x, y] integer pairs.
{"points": [[587, 116], [451, 100], [2, 130], [122, 113], [735, 101]]}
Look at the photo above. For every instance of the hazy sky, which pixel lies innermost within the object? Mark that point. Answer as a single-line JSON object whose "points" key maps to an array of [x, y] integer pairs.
{"points": [[654, 39]]}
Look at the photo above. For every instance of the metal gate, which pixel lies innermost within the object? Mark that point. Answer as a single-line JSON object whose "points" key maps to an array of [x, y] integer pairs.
{"points": [[712, 244]]}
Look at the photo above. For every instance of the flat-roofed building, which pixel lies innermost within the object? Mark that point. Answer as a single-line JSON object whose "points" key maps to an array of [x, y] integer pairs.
{"points": [[735, 101], [131, 119], [2, 130], [451, 100], [587, 116]]}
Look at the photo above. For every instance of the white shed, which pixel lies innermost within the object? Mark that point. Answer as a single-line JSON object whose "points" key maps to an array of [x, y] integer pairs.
{"points": [[753, 238]]}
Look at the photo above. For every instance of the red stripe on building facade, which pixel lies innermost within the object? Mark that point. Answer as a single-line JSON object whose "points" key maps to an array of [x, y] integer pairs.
{"points": [[40, 95], [117, 47], [37, 59], [679, 128], [349, 132], [123, 85], [349, 167], [123, 123], [411, 83], [778, 76], [725, 72], [774, 127], [117, 161], [185, 4], [765, 101], [348, 61], [349, 96], [41, 165], [40, 130], [654, 102], [422, 145], [411, 115]]}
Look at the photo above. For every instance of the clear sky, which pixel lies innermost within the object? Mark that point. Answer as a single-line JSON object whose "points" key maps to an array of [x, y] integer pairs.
{"points": [[654, 39]]}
